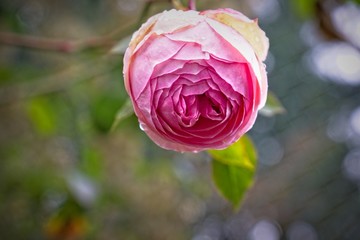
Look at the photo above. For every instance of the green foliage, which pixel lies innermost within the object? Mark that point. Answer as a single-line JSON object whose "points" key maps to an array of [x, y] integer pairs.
{"points": [[103, 111], [304, 8], [5, 74], [233, 169], [355, 1], [42, 115], [125, 111], [273, 106], [91, 163]]}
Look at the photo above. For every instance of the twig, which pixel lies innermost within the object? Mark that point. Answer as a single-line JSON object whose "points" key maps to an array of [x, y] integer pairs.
{"points": [[73, 46], [192, 5], [178, 5], [60, 81], [58, 45]]}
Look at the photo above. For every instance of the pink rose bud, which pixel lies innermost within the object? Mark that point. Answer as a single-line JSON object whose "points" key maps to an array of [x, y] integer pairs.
{"points": [[197, 79]]}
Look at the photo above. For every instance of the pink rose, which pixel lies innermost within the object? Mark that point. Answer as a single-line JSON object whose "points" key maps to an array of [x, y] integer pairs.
{"points": [[197, 79]]}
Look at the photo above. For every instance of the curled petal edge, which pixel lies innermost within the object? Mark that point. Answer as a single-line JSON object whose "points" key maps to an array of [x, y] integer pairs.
{"points": [[249, 29]]}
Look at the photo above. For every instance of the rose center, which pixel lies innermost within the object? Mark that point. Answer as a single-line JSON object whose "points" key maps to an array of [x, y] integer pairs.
{"points": [[191, 108]]}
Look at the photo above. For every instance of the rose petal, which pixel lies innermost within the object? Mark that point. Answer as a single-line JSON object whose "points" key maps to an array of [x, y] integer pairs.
{"points": [[263, 86], [191, 51], [209, 40], [238, 42], [167, 67], [149, 55], [173, 20], [236, 74], [196, 80], [249, 29]]}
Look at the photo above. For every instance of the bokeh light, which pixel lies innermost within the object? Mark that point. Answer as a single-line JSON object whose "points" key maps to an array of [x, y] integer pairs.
{"points": [[267, 10], [352, 165], [346, 20], [270, 151], [265, 230], [300, 230], [338, 128], [355, 121], [336, 61]]}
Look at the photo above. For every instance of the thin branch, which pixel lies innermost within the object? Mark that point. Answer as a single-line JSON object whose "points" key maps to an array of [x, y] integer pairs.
{"points": [[178, 5], [73, 46], [57, 45], [192, 5], [62, 80]]}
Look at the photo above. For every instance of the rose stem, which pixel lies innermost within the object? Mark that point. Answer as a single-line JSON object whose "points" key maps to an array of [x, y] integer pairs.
{"points": [[192, 5]]}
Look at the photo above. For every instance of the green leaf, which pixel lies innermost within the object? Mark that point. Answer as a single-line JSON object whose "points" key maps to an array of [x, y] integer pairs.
{"points": [[91, 164], [272, 107], [42, 115], [305, 9], [233, 169], [104, 108], [355, 1], [125, 111]]}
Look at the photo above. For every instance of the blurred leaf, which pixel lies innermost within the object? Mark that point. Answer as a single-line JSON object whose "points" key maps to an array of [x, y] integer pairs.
{"points": [[304, 8], [272, 107], [5, 74], [42, 115], [68, 222], [121, 46], [233, 169], [355, 1], [91, 163], [103, 110], [125, 111]]}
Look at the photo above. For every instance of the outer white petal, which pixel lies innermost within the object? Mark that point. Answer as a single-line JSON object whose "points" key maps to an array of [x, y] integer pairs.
{"points": [[170, 21], [263, 85], [246, 27], [137, 37], [237, 41], [165, 22]]}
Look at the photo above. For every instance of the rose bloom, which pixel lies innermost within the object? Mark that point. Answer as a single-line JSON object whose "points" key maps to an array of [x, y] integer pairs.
{"points": [[197, 79]]}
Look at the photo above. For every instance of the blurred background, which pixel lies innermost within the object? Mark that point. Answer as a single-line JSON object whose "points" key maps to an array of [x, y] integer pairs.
{"points": [[63, 175]]}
